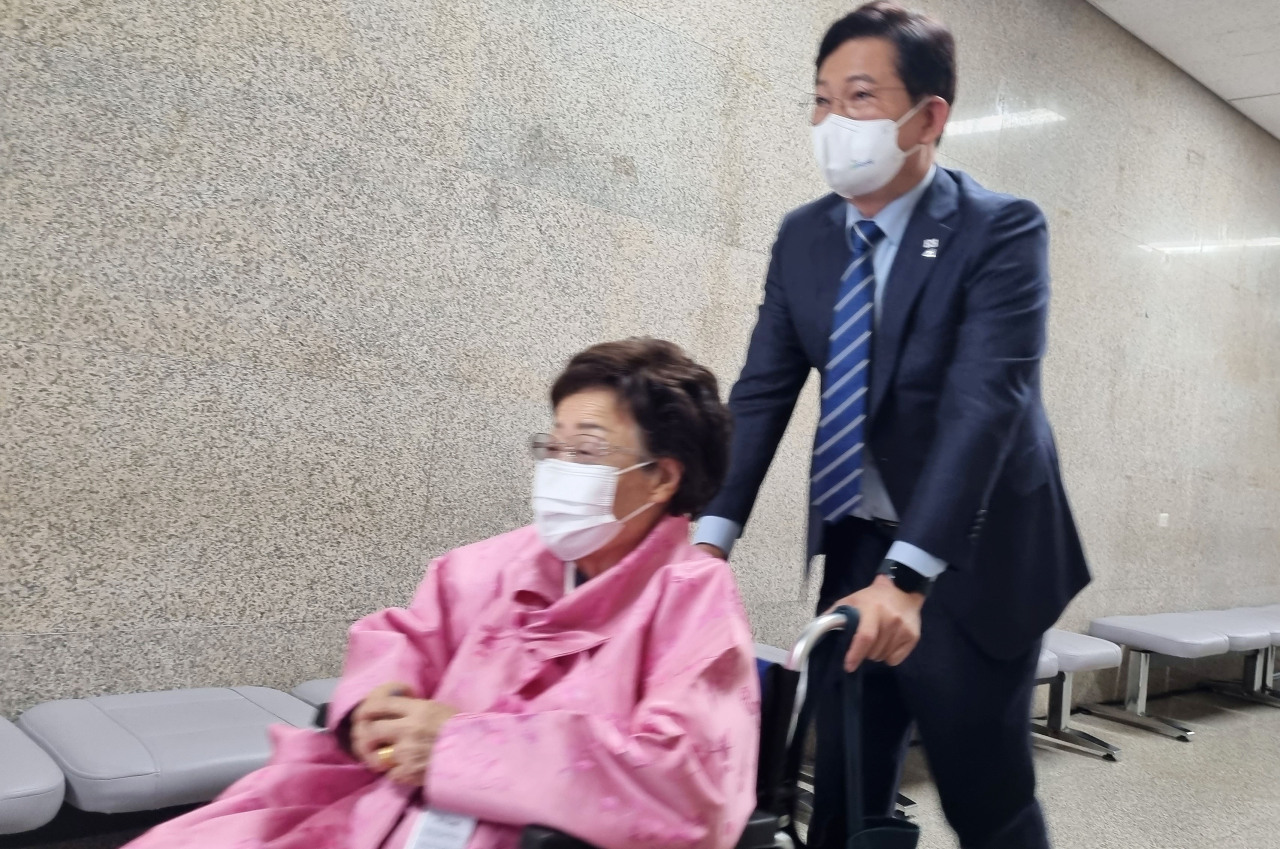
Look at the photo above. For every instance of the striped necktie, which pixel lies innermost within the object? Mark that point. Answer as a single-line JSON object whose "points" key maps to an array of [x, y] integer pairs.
{"points": [[836, 485]]}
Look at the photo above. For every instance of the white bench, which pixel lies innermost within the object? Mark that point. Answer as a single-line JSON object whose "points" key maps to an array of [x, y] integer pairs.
{"points": [[1255, 631], [1270, 676], [1046, 666], [1074, 653], [1187, 635], [31, 785], [145, 751], [316, 693]]}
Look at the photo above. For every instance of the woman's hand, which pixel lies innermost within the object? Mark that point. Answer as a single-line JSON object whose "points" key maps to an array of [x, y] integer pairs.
{"points": [[389, 717], [373, 707]]}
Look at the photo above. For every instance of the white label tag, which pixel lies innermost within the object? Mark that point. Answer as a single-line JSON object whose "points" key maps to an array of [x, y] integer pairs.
{"points": [[441, 830]]}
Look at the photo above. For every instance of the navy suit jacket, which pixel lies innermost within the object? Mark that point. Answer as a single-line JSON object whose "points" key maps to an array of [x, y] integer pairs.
{"points": [[956, 421]]}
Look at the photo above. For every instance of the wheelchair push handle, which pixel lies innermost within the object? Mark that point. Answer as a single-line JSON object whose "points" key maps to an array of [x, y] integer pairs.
{"points": [[843, 618]]}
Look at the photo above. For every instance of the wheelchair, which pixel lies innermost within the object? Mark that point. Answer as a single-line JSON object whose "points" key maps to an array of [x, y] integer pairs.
{"points": [[779, 793], [783, 686]]}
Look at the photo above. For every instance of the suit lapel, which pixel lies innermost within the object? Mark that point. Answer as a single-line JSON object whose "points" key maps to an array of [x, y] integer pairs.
{"points": [[922, 247], [831, 255]]}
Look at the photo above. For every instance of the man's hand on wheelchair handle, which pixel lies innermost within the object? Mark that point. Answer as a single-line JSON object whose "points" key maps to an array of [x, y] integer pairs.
{"points": [[889, 626]]}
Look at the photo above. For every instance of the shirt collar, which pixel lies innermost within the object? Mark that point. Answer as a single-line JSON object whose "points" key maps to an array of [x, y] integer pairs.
{"points": [[893, 219]]}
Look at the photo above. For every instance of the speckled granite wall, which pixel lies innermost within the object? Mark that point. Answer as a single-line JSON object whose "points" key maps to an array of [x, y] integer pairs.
{"points": [[283, 285]]}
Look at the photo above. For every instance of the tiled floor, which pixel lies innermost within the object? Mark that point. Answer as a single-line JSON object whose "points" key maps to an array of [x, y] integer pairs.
{"points": [[1221, 791]]}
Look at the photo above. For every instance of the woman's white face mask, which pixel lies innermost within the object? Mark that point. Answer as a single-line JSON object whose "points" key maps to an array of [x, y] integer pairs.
{"points": [[573, 506], [858, 157]]}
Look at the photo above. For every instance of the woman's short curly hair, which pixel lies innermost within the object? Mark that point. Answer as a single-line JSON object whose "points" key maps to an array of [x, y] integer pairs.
{"points": [[675, 401]]}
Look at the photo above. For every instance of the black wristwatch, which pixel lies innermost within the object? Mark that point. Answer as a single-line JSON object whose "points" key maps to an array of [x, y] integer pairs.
{"points": [[905, 578]]}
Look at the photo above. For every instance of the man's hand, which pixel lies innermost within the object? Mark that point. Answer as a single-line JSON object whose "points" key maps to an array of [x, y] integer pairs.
{"points": [[714, 551], [889, 627], [410, 726]]}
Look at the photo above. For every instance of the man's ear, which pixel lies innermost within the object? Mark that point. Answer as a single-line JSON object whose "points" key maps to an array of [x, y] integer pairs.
{"points": [[937, 111]]}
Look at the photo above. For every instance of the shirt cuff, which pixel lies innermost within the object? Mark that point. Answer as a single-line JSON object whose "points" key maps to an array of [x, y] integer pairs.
{"points": [[916, 559], [717, 531]]}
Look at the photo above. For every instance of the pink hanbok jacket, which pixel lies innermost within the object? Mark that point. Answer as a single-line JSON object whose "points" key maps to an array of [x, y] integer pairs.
{"points": [[625, 712]]}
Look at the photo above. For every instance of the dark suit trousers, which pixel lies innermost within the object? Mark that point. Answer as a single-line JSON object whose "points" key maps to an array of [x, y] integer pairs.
{"points": [[973, 714]]}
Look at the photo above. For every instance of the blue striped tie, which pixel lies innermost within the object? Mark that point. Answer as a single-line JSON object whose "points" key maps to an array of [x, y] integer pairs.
{"points": [[836, 485]]}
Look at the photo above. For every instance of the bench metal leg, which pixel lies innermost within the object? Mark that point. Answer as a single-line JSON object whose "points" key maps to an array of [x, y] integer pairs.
{"points": [[1057, 725], [1135, 702], [1253, 685], [1083, 740], [1236, 691]]}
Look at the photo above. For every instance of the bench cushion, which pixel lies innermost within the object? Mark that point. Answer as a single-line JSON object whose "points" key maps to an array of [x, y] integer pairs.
{"points": [[1170, 634], [31, 785], [145, 751], [1246, 630], [1047, 666], [317, 692], [1082, 653], [1269, 615]]}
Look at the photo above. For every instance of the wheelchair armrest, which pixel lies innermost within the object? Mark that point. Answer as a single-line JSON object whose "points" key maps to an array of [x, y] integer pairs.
{"points": [[540, 837], [761, 831]]}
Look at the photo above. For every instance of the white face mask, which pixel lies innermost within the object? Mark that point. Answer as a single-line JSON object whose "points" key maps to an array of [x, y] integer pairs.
{"points": [[573, 506], [859, 157]]}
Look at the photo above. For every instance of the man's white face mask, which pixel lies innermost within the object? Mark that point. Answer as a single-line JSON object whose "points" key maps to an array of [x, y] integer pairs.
{"points": [[858, 157]]}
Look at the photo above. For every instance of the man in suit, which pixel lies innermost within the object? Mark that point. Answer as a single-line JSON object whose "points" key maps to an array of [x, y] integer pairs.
{"points": [[921, 298]]}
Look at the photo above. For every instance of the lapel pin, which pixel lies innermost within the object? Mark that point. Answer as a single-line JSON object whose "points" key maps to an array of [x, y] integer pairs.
{"points": [[930, 248]]}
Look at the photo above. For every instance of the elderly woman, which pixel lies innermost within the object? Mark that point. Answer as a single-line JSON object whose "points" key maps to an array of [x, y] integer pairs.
{"points": [[592, 673]]}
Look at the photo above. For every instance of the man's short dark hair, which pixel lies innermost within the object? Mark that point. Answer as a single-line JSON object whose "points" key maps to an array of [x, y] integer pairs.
{"points": [[926, 49], [675, 401]]}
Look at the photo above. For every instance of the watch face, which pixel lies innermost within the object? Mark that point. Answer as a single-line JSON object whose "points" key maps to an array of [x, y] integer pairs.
{"points": [[909, 580]]}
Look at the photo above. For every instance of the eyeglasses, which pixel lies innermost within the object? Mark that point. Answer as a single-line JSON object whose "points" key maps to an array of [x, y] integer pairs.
{"points": [[860, 103], [581, 448]]}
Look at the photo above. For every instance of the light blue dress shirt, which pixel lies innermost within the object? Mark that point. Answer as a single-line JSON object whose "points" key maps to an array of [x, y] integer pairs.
{"points": [[875, 504]]}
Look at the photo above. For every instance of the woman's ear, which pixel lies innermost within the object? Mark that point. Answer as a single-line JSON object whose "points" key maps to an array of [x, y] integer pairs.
{"points": [[668, 472]]}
